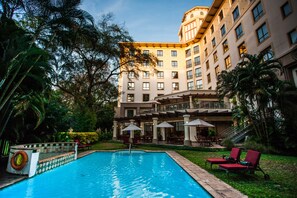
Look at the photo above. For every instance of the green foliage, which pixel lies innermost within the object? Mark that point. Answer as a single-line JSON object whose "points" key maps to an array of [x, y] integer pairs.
{"points": [[255, 84], [105, 135], [84, 120], [255, 145], [83, 137], [212, 132], [105, 116], [228, 144]]}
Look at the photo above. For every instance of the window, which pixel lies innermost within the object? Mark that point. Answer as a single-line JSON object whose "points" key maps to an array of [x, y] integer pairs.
{"points": [[130, 97], [173, 53], [242, 49], [189, 63], [201, 13], [262, 33], [146, 63], [212, 29], [221, 15], [160, 86], [175, 86], [131, 74], [131, 86], [174, 74], [159, 52], [145, 97], [223, 30], [205, 40], [225, 46], [199, 84], [190, 85], [146, 86], [238, 31], [217, 70], [286, 9], [188, 52], [189, 74], [258, 12], [206, 52], [174, 63], [146, 74], [208, 78], [196, 49], [235, 13], [207, 65], [293, 36], [213, 41], [160, 63], [160, 74], [198, 72], [130, 113], [228, 62], [197, 60], [267, 54], [215, 56], [146, 51]]}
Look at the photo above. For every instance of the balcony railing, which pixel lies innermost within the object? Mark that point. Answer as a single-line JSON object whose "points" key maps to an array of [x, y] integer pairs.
{"points": [[186, 105], [211, 105]]}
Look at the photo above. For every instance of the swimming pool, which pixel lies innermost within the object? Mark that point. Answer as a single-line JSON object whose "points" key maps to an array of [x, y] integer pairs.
{"points": [[111, 174]]}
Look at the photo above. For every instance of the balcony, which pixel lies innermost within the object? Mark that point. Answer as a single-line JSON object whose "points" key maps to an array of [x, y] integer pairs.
{"points": [[197, 105], [211, 105]]}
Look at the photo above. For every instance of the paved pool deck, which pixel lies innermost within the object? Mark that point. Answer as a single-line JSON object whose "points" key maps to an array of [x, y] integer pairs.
{"points": [[216, 187]]}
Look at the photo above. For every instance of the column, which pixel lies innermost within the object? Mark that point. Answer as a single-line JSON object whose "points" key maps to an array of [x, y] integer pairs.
{"points": [[115, 130], [142, 128], [155, 134], [121, 128], [187, 141], [156, 107], [191, 102], [163, 133], [131, 132]]}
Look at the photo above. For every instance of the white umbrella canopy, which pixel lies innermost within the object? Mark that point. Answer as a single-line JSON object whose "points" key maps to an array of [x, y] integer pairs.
{"points": [[199, 122], [164, 125], [132, 127]]}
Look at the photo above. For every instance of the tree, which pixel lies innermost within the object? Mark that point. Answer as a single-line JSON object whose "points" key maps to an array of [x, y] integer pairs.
{"points": [[255, 83], [87, 72], [45, 21]]}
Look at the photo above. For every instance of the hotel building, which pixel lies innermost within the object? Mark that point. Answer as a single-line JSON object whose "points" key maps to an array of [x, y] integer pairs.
{"points": [[211, 40]]}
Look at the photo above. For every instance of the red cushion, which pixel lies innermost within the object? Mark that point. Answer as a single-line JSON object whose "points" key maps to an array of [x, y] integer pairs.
{"points": [[235, 153], [233, 166], [217, 160]]}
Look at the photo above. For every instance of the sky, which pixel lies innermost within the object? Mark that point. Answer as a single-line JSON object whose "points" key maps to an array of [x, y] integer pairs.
{"points": [[145, 20]]}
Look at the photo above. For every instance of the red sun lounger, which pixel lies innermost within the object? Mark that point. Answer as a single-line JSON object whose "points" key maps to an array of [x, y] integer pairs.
{"points": [[250, 164], [233, 158]]}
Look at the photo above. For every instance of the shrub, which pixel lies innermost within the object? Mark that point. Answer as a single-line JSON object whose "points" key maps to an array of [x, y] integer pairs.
{"points": [[105, 135], [254, 145], [83, 137], [228, 144]]}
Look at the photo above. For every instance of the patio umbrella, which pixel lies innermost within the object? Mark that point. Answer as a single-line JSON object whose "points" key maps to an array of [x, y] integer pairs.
{"points": [[200, 123], [164, 125], [132, 127]]}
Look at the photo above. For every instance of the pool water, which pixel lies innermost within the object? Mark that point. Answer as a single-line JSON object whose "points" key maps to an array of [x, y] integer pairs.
{"points": [[111, 174]]}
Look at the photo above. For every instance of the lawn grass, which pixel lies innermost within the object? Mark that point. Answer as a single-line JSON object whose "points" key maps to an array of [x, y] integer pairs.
{"points": [[282, 170]]}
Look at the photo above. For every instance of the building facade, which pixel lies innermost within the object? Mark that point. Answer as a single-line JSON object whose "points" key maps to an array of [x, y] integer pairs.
{"points": [[211, 40]]}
